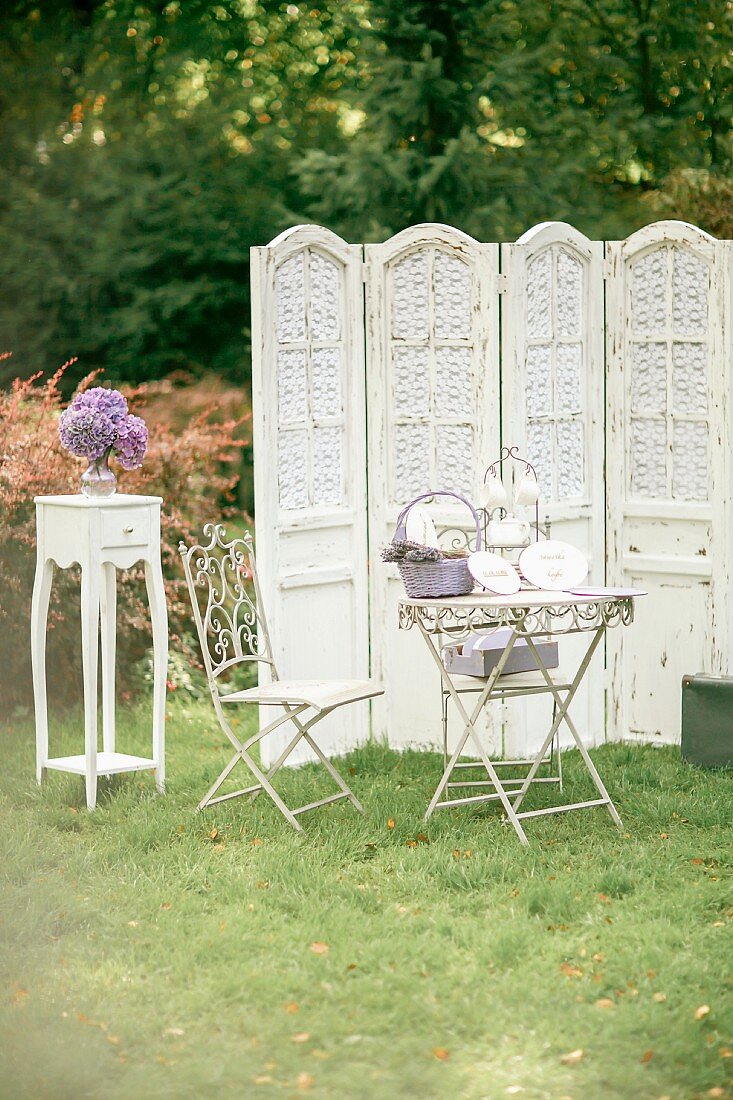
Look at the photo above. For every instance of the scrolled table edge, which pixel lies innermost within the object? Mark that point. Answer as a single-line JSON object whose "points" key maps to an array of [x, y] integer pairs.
{"points": [[466, 617]]}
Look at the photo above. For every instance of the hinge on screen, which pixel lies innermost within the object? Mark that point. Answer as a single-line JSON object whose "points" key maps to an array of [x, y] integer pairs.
{"points": [[364, 272], [607, 268], [502, 283]]}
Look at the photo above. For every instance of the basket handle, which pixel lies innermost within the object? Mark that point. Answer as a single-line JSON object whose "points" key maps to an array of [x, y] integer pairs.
{"points": [[400, 529]]}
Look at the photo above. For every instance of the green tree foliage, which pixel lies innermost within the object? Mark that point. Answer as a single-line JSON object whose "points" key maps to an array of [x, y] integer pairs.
{"points": [[151, 146], [148, 145], [495, 114]]}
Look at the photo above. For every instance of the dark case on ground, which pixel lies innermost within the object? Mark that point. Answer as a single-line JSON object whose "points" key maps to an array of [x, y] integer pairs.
{"points": [[707, 721]]}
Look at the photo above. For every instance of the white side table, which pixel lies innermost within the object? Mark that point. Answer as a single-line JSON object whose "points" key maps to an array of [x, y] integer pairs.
{"points": [[101, 536]]}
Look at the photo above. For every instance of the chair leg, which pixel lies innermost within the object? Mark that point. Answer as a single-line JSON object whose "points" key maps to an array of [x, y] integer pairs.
{"points": [[264, 778], [215, 786], [274, 768], [303, 732], [338, 780]]}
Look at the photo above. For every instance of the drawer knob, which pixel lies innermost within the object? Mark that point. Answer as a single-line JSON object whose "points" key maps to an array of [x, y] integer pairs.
{"points": [[128, 530]]}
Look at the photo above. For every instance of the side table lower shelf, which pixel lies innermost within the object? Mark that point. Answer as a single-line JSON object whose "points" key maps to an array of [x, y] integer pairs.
{"points": [[108, 763]]}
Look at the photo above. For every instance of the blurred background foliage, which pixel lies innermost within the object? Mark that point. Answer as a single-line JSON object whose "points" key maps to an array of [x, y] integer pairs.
{"points": [[146, 146]]}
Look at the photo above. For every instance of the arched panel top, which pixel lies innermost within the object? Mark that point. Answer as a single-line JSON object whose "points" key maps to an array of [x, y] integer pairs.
{"points": [[546, 234], [668, 233], [300, 237], [432, 233]]}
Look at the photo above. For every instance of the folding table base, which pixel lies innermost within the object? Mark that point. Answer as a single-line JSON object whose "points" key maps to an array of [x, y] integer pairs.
{"points": [[511, 799]]}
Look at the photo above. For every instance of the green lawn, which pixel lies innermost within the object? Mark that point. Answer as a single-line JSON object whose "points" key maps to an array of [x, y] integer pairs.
{"points": [[151, 952]]}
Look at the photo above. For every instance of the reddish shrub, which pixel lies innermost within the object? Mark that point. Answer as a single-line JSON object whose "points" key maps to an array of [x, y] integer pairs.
{"points": [[193, 462]]}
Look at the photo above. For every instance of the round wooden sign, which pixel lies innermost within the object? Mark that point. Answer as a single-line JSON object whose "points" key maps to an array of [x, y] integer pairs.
{"points": [[493, 572], [553, 565]]}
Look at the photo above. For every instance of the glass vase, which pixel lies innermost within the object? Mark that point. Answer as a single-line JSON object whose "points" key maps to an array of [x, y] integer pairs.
{"points": [[98, 481]]}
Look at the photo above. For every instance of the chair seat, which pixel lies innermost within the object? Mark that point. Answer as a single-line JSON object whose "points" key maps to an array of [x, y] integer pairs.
{"points": [[320, 694], [512, 681]]}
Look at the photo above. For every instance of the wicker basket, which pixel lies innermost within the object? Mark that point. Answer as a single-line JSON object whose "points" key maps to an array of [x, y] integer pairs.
{"points": [[449, 577]]}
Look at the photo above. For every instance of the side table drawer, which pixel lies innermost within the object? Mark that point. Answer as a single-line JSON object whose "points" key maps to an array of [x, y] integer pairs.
{"points": [[130, 527]]}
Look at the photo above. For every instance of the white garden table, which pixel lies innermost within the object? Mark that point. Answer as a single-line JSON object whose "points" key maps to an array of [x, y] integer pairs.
{"points": [[531, 615]]}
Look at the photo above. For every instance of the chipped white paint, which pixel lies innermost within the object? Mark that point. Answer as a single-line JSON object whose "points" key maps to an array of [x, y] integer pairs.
{"points": [[433, 368], [552, 402], [310, 470], [668, 468]]}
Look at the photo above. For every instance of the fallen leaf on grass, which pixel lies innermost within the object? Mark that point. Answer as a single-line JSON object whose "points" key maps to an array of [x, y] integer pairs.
{"points": [[605, 1002], [441, 1054], [570, 970], [391, 823], [716, 1090], [725, 1052], [213, 834], [304, 1081], [262, 1079], [319, 948], [598, 957], [702, 1012], [411, 843], [659, 997], [646, 1056], [573, 1057], [133, 923], [697, 861], [166, 905], [300, 1037], [292, 1007]]}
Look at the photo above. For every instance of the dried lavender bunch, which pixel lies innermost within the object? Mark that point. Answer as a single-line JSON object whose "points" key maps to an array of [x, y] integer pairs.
{"points": [[423, 553], [400, 549]]}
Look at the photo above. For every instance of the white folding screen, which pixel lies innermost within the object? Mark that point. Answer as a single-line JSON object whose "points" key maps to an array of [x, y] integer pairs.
{"points": [[433, 423], [552, 409], [668, 468], [446, 384], [310, 477]]}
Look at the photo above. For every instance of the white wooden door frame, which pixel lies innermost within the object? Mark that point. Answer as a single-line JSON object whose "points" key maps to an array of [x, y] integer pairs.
{"points": [[572, 318], [665, 541], [312, 559], [409, 713]]}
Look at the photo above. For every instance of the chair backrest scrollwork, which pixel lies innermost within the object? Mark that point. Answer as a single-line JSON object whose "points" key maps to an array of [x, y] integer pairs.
{"points": [[222, 582]]}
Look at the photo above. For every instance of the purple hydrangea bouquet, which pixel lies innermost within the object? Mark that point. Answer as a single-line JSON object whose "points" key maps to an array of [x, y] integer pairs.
{"points": [[97, 425]]}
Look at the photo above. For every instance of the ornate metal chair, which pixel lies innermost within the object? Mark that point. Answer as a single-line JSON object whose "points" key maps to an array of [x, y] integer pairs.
{"points": [[233, 633]]}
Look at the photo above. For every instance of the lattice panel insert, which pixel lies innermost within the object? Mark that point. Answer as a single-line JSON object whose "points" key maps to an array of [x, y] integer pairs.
{"points": [[309, 295], [555, 366], [668, 353], [432, 373]]}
